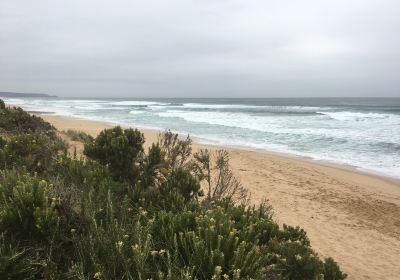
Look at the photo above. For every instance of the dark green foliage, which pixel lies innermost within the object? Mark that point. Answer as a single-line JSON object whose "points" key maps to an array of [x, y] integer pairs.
{"points": [[150, 167], [36, 152], [124, 214], [154, 157], [211, 242], [15, 120], [118, 148], [85, 174], [296, 260], [16, 265], [2, 104], [290, 233], [25, 211], [184, 183], [2, 142], [332, 270]]}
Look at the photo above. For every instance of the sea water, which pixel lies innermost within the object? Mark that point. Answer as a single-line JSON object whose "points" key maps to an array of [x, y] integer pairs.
{"points": [[361, 132]]}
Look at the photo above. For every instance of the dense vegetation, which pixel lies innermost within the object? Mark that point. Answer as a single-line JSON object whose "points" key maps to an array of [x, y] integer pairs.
{"points": [[125, 213]]}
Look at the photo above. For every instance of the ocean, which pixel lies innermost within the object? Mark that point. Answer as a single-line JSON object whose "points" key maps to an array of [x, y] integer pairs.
{"points": [[360, 132]]}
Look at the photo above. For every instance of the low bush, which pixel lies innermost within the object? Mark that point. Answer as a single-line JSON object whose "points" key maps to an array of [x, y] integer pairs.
{"points": [[119, 149], [36, 152], [15, 120], [18, 264], [25, 211], [183, 182]]}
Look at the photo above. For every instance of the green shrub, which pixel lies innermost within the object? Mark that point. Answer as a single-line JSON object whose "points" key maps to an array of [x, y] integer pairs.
{"points": [[119, 149], [150, 174], [16, 263], [15, 120], [25, 210], [82, 183], [218, 240], [85, 174], [332, 270], [289, 233], [297, 261], [2, 104], [182, 181], [117, 243], [34, 151], [217, 243], [291, 257]]}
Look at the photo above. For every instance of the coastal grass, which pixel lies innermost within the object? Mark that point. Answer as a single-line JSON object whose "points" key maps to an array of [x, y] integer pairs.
{"points": [[125, 213], [77, 135]]}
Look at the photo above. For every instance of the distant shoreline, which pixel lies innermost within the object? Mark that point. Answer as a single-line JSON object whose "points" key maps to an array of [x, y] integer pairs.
{"points": [[26, 95]]}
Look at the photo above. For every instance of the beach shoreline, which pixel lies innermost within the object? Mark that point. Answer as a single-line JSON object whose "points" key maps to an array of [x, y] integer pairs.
{"points": [[348, 215], [333, 136], [205, 142]]}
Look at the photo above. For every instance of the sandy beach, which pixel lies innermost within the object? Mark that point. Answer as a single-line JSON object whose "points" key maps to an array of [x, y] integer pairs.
{"points": [[350, 216]]}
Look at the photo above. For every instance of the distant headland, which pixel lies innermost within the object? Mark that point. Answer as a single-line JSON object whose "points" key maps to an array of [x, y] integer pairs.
{"points": [[19, 94]]}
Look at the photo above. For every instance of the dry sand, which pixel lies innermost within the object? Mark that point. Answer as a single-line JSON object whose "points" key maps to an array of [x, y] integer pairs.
{"points": [[350, 216]]}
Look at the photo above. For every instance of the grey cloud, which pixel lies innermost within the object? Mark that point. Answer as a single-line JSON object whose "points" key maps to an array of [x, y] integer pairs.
{"points": [[200, 48]]}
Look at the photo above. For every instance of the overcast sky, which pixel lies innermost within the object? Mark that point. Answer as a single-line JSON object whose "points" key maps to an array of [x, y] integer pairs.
{"points": [[202, 48]]}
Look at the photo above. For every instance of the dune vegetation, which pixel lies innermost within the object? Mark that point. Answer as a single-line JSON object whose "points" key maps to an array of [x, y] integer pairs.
{"points": [[122, 212]]}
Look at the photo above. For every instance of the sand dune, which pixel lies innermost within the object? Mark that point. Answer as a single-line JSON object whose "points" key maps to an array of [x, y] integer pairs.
{"points": [[350, 216]]}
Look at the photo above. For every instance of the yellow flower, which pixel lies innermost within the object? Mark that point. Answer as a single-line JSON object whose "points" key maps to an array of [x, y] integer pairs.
{"points": [[97, 275], [135, 248], [142, 211], [119, 245], [236, 273], [218, 270], [298, 257]]}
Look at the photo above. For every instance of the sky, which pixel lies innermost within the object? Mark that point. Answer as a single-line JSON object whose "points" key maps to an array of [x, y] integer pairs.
{"points": [[207, 48]]}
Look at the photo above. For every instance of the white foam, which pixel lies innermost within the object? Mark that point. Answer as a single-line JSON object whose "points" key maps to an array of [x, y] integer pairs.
{"points": [[136, 103], [136, 112], [368, 140], [260, 107], [358, 116]]}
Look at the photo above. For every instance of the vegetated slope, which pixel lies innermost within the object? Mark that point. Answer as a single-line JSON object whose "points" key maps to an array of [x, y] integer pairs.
{"points": [[126, 213]]}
